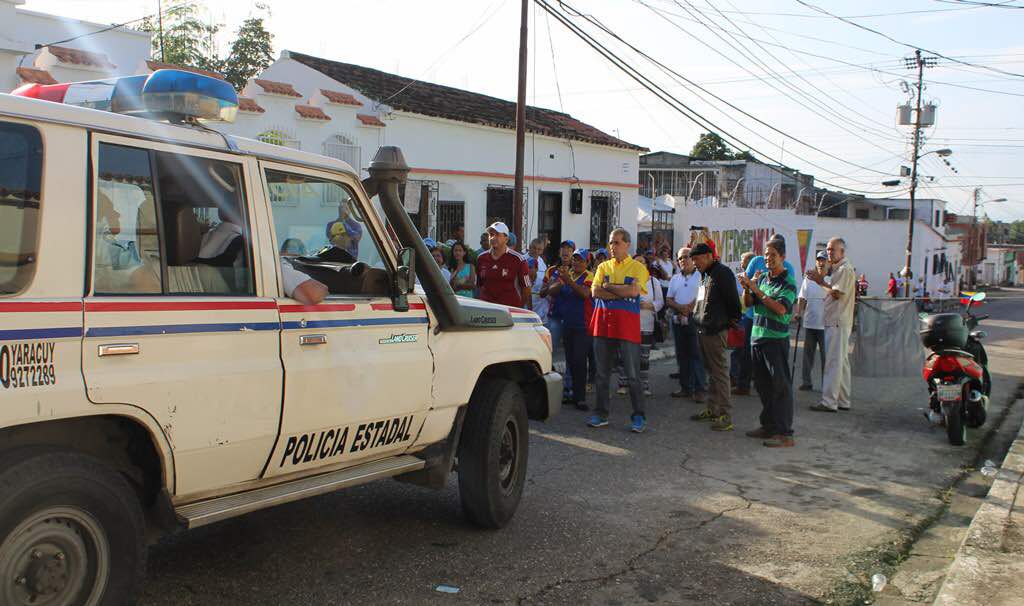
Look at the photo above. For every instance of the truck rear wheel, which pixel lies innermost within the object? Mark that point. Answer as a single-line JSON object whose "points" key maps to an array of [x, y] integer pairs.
{"points": [[71, 531], [493, 452]]}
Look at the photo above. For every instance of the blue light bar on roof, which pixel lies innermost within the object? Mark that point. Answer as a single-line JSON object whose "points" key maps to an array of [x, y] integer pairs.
{"points": [[172, 92]]}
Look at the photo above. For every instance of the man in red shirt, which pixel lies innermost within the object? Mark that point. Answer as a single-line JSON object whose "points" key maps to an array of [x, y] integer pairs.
{"points": [[501, 273]]}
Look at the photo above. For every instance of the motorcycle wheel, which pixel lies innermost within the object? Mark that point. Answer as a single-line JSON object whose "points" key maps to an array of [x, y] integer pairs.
{"points": [[956, 431]]}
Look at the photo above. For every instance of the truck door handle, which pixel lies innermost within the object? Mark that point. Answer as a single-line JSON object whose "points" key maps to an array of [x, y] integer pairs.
{"points": [[118, 349], [313, 340]]}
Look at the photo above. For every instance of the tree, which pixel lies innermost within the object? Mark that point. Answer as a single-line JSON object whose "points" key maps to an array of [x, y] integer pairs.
{"points": [[710, 146], [251, 52], [744, 155], [186, 40]]}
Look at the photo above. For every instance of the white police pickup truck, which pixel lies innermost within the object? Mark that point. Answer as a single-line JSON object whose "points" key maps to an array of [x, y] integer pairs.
{"points": [[155, 375]]}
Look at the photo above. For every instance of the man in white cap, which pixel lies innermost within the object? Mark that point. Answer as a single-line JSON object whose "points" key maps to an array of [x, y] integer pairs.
{"points": [[501, 273]]}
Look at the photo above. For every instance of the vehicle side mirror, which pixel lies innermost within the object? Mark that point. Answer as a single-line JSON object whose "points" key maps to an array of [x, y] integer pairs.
{"points": [[404, 280], [978, 297]]}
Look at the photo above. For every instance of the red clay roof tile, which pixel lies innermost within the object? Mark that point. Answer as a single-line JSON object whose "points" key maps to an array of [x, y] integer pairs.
{"points": [[80, 57], [277, 88], [35, 76], [342, 98], [245, 104], [311, 112], [369, 120]]}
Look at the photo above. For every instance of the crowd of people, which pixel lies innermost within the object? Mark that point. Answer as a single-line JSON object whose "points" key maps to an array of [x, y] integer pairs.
{"points": [[607, 308]]}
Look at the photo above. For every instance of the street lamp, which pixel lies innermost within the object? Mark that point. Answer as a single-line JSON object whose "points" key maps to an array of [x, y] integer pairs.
{"points": [[942, 153]]}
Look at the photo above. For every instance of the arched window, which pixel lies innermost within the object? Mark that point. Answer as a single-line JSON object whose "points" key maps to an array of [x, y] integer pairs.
{"points": [[279, 136], [343, 147]]}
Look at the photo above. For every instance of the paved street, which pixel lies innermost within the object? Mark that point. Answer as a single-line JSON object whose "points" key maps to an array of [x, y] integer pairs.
{"points": [[679, 515]]}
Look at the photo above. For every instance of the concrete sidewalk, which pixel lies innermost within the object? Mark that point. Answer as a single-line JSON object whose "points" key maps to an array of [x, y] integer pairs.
{"points": [[989, 566]]}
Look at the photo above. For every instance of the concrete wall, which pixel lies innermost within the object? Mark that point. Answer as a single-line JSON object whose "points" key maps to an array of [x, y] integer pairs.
{"points": [[21, 30], [463, 158]]}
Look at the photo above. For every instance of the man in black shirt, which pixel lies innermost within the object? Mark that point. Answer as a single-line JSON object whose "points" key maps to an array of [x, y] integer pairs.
{"points": [[717, 308]]}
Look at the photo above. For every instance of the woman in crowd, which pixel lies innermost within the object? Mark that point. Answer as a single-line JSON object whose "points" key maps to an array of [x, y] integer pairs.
{"points": [[439, 258], [463, 274]]}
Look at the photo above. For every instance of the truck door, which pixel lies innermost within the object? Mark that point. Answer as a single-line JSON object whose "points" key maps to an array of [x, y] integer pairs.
{"points": [[357, 373], [172, 321]]}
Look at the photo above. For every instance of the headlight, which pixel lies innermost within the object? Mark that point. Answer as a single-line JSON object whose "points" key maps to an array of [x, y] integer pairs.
{"points": [[545, 335]]}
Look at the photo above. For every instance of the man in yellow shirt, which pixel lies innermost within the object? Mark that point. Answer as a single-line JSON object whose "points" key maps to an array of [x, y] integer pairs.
{"points": [[615, 326]]}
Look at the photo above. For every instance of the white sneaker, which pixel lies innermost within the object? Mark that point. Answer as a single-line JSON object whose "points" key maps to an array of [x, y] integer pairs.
{"points": [[621, 391]]}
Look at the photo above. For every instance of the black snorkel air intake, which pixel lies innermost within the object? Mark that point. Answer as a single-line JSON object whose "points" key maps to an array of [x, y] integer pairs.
{"points": [[388, 171]]}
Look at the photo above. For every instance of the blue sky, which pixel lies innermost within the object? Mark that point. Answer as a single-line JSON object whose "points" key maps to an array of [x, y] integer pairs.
{"points": [[846, 111]]}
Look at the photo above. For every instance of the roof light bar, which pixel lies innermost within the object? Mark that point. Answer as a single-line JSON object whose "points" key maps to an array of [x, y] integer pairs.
{"points": [[167, 94]]}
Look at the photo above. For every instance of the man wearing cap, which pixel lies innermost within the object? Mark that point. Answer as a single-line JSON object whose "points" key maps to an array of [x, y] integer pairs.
{"points": [[840, 291], [810, 307], [571, 301], [501, 273], [716, 309], [615, 326], [538, 269]]}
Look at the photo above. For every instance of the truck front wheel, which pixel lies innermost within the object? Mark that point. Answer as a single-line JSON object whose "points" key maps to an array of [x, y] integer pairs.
{"points": [[71, 531], [493, 451]]}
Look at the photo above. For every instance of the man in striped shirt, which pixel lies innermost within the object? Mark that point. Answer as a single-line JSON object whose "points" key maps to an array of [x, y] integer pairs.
{"points": [[772, 296]]}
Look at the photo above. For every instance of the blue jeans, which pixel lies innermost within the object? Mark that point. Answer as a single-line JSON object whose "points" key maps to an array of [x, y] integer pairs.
{"points": [[692, 376], [555, 327], [604, 351]]}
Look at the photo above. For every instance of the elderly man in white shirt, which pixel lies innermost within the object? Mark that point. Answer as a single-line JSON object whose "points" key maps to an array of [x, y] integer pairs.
{"points": [[811, 309], [840, 293], [681, 296]]}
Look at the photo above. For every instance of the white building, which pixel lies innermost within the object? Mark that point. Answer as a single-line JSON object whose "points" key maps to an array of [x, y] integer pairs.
{"points": [[91, 55], [580, 182]]}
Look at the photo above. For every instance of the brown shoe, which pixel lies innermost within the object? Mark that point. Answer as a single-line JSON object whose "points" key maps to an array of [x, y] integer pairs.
{"points": [[780, 442], [760, 433], [740, 392], [700, 397]]}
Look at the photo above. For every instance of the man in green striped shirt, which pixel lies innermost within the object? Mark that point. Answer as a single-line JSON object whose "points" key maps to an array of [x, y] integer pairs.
{"points": [[772, 296]]}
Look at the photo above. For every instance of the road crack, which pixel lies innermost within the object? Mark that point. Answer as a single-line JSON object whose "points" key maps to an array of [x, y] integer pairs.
{"points": [[633, 563]]}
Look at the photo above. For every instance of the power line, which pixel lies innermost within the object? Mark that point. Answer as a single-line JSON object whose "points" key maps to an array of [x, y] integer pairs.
{"points": [[118, 25], [836, 117], [668, 69], [667, 97], [907, 44]]}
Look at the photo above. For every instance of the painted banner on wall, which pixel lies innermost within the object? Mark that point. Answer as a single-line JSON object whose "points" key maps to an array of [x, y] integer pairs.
{"points": [[739, 230]]}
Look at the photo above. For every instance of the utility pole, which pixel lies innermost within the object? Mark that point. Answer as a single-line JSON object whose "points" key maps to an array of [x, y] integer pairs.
{"points": [[517, 195], [160, 26], [918, 62], [973, 238]]}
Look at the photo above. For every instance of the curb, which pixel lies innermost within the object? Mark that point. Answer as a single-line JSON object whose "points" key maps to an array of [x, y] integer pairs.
{"points": [[989, 566]]}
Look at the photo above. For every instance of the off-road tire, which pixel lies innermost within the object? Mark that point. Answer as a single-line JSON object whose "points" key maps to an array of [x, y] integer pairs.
{"points": [[495, 429], [57, 505], [956, 431]]}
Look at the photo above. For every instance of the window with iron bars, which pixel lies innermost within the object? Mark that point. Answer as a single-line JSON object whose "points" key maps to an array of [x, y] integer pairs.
{"points": [[450, 214], [344, 148]]}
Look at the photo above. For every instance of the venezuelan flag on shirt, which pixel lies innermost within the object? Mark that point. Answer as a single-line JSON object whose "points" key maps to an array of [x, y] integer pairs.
{"points": [[618, 318]]}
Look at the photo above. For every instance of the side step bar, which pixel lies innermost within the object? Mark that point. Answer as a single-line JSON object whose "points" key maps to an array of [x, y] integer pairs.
{"points": [[206, 512]]}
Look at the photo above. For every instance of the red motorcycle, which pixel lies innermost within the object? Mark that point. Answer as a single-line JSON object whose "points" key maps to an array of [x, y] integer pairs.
{"points": [[956, 371]]}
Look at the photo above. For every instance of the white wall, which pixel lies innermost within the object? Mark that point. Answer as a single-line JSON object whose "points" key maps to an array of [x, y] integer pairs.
{"points": [[877, 248], [127, 49], [464, 158]]}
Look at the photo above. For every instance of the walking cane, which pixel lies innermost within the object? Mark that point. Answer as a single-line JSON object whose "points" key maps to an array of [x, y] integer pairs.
{"points": [[796, 341]]}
